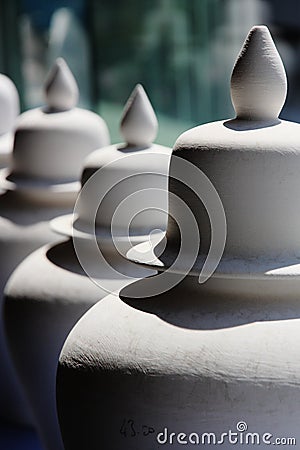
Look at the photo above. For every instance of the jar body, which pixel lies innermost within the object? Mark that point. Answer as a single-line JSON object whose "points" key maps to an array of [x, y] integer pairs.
{"points": [[139, 373], [47, 293], [24, 226], [6, 146]]}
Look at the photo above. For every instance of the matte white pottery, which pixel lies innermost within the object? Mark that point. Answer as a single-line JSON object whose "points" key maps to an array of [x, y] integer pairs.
{"points": [[214, 357], [51, 289], [9, 111], [42, 182]]}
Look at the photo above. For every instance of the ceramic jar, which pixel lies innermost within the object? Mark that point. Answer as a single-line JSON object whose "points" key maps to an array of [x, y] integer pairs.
{"points": [[54, 286], [206, 352], [9, 111], [41, 182]]}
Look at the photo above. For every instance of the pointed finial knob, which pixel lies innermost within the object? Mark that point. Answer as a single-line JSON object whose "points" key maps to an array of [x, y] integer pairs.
{"points": [[138, 123], [258, 80], [61, 89]]}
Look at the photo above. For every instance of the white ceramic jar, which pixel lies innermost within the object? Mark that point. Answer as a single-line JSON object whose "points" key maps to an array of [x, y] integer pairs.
{"points": [[54, 286], [9, 111], [214, 362], [41, 182]]}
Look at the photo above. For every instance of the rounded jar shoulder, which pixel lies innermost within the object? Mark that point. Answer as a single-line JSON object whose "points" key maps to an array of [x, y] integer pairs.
{"points": [[241, 135]]}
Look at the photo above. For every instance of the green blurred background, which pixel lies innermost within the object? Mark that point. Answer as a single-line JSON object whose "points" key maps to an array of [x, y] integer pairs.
{"points": [[182, 51]]}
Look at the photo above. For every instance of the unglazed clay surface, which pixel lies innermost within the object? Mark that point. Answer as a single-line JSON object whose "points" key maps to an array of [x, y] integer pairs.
{"points": [[51, 142], [258, 81], [6, 146], [9, 111], [41, 136], [47, 294], [138, 123], [203, 358], [187, 361], [41, 183], [253, 164], [63, 281], [24, 226], [61, 91], [127, 182]]}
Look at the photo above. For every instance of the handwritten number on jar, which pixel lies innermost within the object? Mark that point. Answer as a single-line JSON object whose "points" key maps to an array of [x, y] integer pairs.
{"points": [[147, 430], [129, 429]]}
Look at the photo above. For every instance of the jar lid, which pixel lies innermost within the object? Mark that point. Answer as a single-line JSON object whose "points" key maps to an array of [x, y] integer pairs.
{"points": [[234, 184], [9, 111], [51, 142], [124, 186]]}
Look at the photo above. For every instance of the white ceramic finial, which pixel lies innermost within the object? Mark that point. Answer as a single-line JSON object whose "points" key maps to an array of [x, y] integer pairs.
{"points": [[258, 81], [61, 89], [138, 123]]}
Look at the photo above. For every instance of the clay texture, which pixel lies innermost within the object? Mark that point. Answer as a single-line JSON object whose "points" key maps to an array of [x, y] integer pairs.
{"points": [[42, 133], [9, 111], [64, 280], [204, 357], [41, 182]]}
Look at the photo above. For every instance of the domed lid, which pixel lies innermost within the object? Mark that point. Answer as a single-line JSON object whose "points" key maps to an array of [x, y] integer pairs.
{"points": [[124, 186], [51, 142], [9, 111], [233, 188], [9, 104]]}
